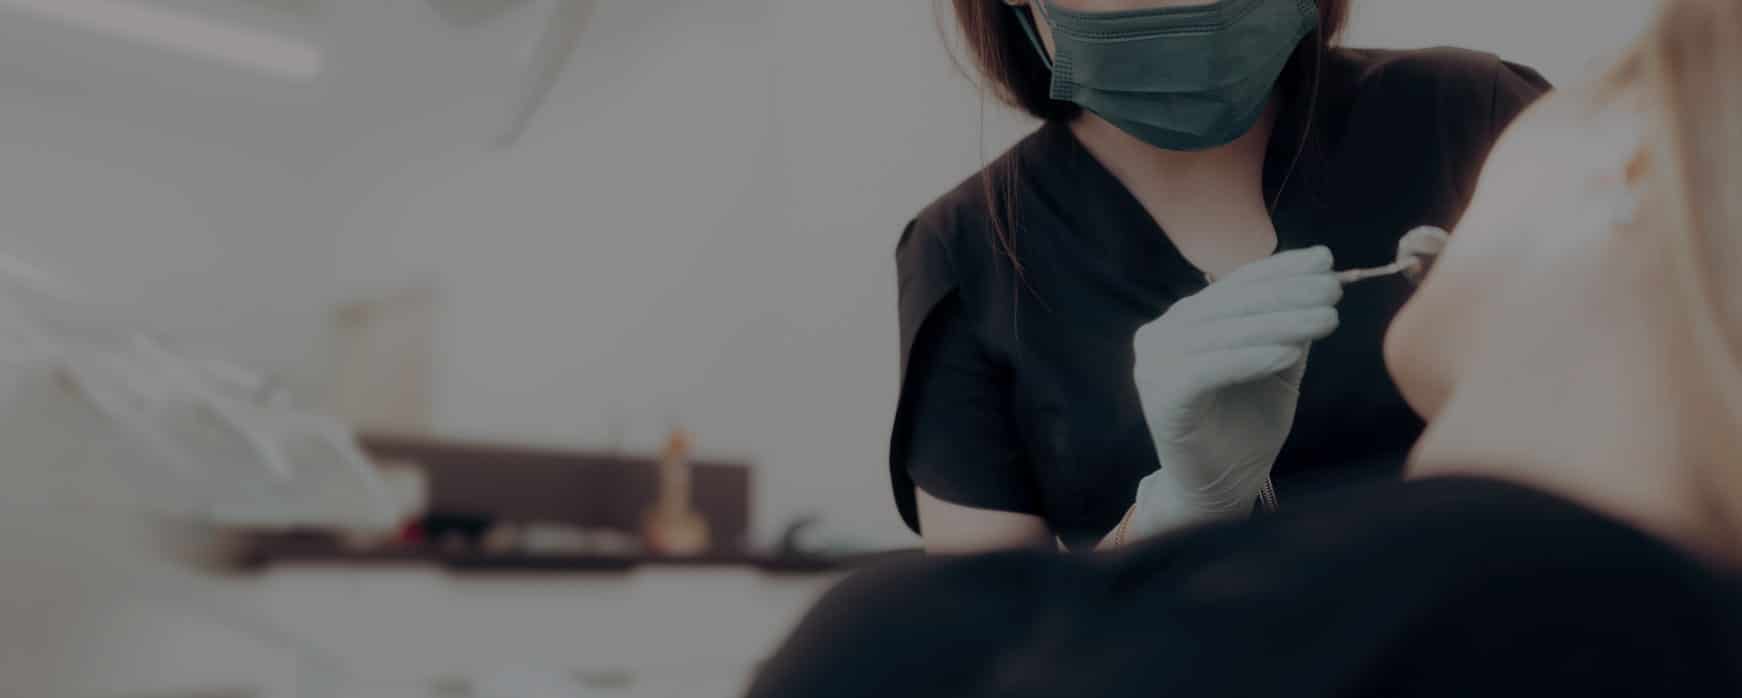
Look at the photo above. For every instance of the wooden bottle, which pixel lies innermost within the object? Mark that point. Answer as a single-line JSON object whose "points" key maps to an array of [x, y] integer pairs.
{"points": [[672, 526]]}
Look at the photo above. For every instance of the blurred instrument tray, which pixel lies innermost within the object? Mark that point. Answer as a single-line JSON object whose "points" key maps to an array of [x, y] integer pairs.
{"points": [[479, 484], [267, 551], [599, 491]]}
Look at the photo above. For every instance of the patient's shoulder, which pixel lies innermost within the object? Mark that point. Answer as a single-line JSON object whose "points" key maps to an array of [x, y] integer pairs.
{"points": [[1453, 530], [1445, 587], [925, 626]]}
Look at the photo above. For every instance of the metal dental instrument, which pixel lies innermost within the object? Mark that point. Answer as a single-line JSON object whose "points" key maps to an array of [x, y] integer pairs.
{"points": [[1349, 276], [1416, 252]]}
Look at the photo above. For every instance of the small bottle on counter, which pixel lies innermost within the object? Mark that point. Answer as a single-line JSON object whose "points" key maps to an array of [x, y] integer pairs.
{"points": [[672, 526]]}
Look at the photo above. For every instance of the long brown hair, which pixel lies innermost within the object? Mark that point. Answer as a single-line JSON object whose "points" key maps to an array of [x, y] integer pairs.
{"points": [[1013, 72]]}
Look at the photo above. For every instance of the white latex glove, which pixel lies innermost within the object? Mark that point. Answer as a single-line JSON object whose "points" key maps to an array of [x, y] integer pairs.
{"points": [[1219, 376]]}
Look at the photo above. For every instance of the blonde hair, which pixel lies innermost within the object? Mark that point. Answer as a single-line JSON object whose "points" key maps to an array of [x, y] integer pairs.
{"points": [[1685, 69]]}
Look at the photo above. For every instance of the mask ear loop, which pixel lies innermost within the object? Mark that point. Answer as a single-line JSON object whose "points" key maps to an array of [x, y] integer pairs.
{"points": [[1312, 109], [1027, 23]]}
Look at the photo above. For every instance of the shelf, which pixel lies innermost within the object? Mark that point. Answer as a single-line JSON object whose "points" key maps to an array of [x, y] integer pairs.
{"points": [[267, 554]]}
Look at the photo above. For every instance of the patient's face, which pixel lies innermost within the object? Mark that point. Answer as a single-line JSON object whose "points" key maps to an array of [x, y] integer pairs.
{"points": [[1536, 191]]}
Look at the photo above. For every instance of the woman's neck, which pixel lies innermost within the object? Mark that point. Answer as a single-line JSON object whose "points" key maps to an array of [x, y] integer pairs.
{"points": [[1614, 407], [1210, 203]]}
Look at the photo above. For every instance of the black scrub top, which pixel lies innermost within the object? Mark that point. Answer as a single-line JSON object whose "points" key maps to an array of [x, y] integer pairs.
{"points": [[1017, 390], [1434, 588]]}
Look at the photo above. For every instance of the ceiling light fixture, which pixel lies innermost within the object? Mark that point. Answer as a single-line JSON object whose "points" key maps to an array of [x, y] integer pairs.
{"points": [[184, 32]]}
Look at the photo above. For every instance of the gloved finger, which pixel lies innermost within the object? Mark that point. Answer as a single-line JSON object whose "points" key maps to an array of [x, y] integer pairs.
{"points": [[1288, 293], [1293, 374], [1216, 370], [1295, 327], [1311, 260]]}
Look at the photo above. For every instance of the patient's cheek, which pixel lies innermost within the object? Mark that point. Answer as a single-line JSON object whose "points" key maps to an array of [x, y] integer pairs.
{"points": [[1532, 171], [1429, 337], [1432, 335], [1411, 351]]}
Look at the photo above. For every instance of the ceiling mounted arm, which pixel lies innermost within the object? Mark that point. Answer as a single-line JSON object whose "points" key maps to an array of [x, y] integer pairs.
{"points": [[565, 22], [464, 14]]}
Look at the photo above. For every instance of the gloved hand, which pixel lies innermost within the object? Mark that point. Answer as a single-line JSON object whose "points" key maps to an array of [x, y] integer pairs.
{"points": [[1218, 376]]}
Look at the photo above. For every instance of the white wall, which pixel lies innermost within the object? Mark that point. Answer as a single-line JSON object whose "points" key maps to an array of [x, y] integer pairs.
{"points": [[210, 243], [701, 226], [1561, 38]]}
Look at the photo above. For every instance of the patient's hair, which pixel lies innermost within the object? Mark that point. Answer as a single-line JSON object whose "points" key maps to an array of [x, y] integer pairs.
{"points": [[1687, 66]]}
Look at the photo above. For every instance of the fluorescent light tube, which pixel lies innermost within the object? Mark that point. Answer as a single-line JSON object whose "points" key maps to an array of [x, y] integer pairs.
{"points": [[185, 33]]}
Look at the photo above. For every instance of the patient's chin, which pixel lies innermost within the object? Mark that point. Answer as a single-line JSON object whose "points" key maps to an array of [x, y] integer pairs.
{"points": [[1414, 360]]}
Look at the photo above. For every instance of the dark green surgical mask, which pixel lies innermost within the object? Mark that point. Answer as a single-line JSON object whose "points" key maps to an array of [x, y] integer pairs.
{"points": [[1178, 78]]}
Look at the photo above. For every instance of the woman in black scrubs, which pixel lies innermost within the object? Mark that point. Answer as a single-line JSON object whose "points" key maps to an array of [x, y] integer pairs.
{"points": [[1572, 520], [1021, 417]]}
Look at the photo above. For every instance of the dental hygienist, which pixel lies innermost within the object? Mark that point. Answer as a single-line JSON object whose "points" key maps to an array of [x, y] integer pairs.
{"points": [[1106, 332]]}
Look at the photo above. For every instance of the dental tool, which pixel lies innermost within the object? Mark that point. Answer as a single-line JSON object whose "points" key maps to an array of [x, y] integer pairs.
{"points": [[1349, 276], [1416, 252]]}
